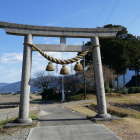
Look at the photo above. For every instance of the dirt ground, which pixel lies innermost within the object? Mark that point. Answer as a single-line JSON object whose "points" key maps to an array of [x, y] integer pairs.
{"points": [[8, 102], [127, 128]]}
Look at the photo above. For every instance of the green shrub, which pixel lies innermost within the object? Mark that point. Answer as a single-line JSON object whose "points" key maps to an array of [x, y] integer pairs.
{"points": [[47, 94], [108, 90], [134, 90], [121, 90], [57, 96]]}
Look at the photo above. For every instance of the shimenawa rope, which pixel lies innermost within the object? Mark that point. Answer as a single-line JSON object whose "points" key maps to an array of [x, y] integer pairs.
{"points": [[59, 61]]}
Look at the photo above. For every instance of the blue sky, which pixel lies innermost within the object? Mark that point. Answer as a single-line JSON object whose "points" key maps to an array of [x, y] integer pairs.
{"points": [[60, 13]]}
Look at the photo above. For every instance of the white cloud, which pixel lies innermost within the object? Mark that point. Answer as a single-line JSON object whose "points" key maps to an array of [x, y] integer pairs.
{"points": [[38, 66], [57, 55], [69, 55], [52, 40], [11, 57], [10, 75], [37, 57], [13, 72]]}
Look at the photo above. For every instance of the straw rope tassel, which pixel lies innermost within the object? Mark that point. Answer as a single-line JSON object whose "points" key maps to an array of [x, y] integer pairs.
{"points": [[78, 67], [64, 70], [50, 67]]}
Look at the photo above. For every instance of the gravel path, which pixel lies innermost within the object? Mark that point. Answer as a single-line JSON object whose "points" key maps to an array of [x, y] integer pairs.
{"points": [[18, 135], [8, 114]]}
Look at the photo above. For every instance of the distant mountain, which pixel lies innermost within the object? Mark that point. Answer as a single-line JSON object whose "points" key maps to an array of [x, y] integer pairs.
{"points": [[13, 87], [4, 84]]}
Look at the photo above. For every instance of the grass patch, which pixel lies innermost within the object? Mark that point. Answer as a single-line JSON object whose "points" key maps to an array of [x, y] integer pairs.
{"points": [[10, 95], [37, 101], [126, 128], [117, 111], [2, 123], [33, 116], [80, 108], [121, 112], [34, 96], [78, 97], [122, 97]]}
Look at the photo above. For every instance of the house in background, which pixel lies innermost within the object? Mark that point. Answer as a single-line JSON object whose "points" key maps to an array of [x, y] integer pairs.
{"points": [[134, 82]]}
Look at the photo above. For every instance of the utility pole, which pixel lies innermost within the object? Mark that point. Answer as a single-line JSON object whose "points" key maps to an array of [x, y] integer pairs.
{"points": [[63, 42], [84, 76], [63, 93]]}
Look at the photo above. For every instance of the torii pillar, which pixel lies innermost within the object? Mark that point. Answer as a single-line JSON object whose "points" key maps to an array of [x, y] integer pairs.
{"points": [[25, 82], [28, 31], [99, 80]]}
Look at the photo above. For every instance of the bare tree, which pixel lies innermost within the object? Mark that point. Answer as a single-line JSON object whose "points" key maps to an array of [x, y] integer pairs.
{"points": [[71, 83], [90, 78], [42, 80], [108, 74]]}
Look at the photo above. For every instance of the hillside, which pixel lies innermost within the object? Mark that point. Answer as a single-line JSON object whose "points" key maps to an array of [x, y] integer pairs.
{"points": [[4, 84], [13, 87]]}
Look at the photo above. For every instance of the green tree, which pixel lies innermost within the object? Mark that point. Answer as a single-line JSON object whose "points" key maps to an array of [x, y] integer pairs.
{"points": [[118, 53]]}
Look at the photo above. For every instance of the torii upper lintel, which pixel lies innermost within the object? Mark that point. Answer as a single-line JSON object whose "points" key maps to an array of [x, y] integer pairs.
{"points": [[22, 29]]}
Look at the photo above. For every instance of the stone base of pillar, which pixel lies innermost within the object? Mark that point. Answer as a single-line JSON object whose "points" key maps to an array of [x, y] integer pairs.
{"points": [[23, 120], [63, 101], [103, 116]]}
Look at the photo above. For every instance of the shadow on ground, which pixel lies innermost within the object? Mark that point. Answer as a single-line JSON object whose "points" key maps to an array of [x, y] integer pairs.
{"points": [[74, 119], [7, 105], [40, 101]]}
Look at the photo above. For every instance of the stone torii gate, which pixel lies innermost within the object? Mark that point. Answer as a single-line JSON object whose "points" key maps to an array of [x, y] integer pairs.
{"points": [[28, 31]]}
